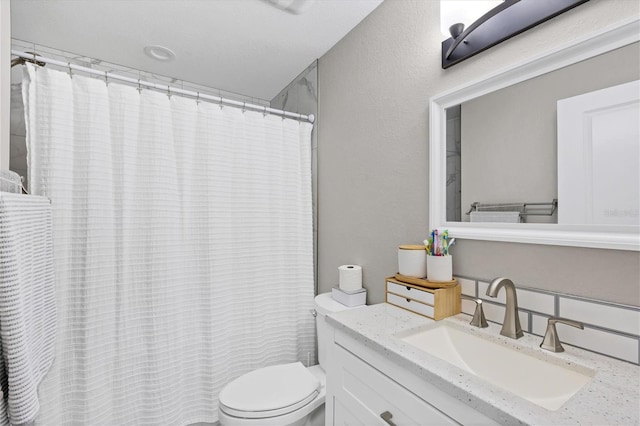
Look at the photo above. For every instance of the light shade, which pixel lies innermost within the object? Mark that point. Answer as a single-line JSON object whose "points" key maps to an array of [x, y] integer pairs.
{"points": [[463, 11]]}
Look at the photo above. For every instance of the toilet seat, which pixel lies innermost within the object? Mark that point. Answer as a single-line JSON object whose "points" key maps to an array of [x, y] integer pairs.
{"points": [[270, 391]]}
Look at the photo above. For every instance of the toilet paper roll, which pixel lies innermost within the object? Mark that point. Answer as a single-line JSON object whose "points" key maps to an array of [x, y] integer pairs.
{"points": [[350, 277]]}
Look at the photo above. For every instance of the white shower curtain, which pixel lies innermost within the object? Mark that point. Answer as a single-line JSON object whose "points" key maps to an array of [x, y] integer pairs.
{"points": [[182, 242]]}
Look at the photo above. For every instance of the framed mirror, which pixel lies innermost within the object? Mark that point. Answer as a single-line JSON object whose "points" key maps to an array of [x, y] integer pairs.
{"points": [[511, 160]]}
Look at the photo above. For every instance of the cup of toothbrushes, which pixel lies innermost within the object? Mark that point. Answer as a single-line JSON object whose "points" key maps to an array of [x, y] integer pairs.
{"points": [[439, 261], [440, 268], [412, 261]]}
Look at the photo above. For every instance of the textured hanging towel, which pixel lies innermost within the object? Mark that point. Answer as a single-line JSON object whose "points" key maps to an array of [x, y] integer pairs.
{"points": [[27, 303], [504, 217], [10, 182]]}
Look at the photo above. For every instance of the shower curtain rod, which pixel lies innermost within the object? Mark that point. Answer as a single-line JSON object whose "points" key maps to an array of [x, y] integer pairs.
{"points": [[170, 90]]}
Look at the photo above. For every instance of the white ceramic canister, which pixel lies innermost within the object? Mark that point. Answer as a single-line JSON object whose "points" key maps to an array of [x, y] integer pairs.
{"points": [[439, 268], [412, 261]]}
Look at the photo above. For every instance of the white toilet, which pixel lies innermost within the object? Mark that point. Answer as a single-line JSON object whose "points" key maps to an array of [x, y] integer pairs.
{"points": [[285, 394]]}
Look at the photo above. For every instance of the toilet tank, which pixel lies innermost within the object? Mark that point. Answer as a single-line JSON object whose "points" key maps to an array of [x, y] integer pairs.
{"points": [[324, 304]]}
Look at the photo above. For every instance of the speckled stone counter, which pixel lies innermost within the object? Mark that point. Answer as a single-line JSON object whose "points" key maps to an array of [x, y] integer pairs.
{"points": [[612, 397]]}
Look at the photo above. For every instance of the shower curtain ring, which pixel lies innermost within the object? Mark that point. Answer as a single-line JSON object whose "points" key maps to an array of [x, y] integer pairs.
{"points": [[265, 111], [139, 87], [68, 65], [169, 91], [244, 107], [197, 98], [106, 78]]}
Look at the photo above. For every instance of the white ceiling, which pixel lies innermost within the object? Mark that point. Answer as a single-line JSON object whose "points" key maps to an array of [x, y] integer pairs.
{"points": [[248, 47]]}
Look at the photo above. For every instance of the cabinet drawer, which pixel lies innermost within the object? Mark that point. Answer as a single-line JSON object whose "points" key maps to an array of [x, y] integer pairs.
{"points": [[411, 292], [411, 305], [342, 416], [366, 393]]}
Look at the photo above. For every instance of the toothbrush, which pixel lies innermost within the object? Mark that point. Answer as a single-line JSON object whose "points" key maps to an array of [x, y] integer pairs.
{"points": [[445, 243], [432, 243]]}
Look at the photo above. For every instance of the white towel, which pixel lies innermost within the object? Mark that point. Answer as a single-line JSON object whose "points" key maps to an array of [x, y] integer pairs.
{"points": [[504, 217], [27, 303], [10, 182]]}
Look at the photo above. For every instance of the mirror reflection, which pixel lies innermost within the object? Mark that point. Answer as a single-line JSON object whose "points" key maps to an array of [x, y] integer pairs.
{"points": [[571, 135]]}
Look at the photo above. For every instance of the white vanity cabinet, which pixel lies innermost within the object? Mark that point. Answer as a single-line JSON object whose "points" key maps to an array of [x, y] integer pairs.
{"points": [[363, 387]]}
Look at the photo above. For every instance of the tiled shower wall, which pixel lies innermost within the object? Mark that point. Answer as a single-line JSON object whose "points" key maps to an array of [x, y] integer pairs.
{"points": [[301, 96], [18, 147], [609, 329], [454, 169]]}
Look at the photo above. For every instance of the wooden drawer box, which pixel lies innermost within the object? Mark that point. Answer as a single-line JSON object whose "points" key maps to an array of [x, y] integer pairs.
{"points": [[434, 303]]}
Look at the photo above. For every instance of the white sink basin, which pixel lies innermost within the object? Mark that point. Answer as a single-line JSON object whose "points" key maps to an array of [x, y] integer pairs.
{"points": [[545, 384]]}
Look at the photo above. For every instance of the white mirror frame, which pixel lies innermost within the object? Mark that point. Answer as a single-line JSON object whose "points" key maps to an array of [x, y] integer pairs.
{"points": [[595, 236]]}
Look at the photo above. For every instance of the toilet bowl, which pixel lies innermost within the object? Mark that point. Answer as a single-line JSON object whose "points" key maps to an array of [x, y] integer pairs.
{"points": [[284, 394]]}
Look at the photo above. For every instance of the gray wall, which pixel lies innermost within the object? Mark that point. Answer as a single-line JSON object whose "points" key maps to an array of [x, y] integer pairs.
{"points": [[374, 88], [515, 158]]}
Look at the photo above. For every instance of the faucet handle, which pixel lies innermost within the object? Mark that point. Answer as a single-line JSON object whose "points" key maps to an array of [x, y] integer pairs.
{"points": [[478, 319], [551, 341]]}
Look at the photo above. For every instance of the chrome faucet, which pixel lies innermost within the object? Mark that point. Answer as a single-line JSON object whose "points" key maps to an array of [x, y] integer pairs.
{"points": [[478, 319], [511, 323], [551, 341]]}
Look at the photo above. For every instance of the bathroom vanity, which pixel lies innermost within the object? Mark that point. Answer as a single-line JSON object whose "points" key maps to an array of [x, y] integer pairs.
{"points": [[378, 374]]}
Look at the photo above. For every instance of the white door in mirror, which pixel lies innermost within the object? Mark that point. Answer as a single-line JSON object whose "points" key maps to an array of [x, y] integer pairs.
{"points": [[599, 157]]}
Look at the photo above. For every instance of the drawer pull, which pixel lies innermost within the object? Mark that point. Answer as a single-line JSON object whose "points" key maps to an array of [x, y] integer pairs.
{"points": [[386, 416]]}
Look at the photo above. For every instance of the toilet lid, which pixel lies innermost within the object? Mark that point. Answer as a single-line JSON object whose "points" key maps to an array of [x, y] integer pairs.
{"points": [[270, 391]]}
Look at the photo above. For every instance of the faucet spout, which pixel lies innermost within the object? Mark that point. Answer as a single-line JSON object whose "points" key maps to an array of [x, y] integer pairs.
{"points": [[511, 324]]}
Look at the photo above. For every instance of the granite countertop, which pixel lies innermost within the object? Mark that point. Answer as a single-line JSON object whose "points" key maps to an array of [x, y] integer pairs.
{"points": [[612, 397]]}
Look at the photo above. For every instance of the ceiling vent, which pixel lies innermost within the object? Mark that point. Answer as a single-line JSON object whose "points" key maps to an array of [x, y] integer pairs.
{"points": [[297, 7], [160, 53]]}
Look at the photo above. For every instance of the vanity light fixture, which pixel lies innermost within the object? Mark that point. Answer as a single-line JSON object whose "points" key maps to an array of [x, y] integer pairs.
{"points": [[455, 15], [507, 19]]}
